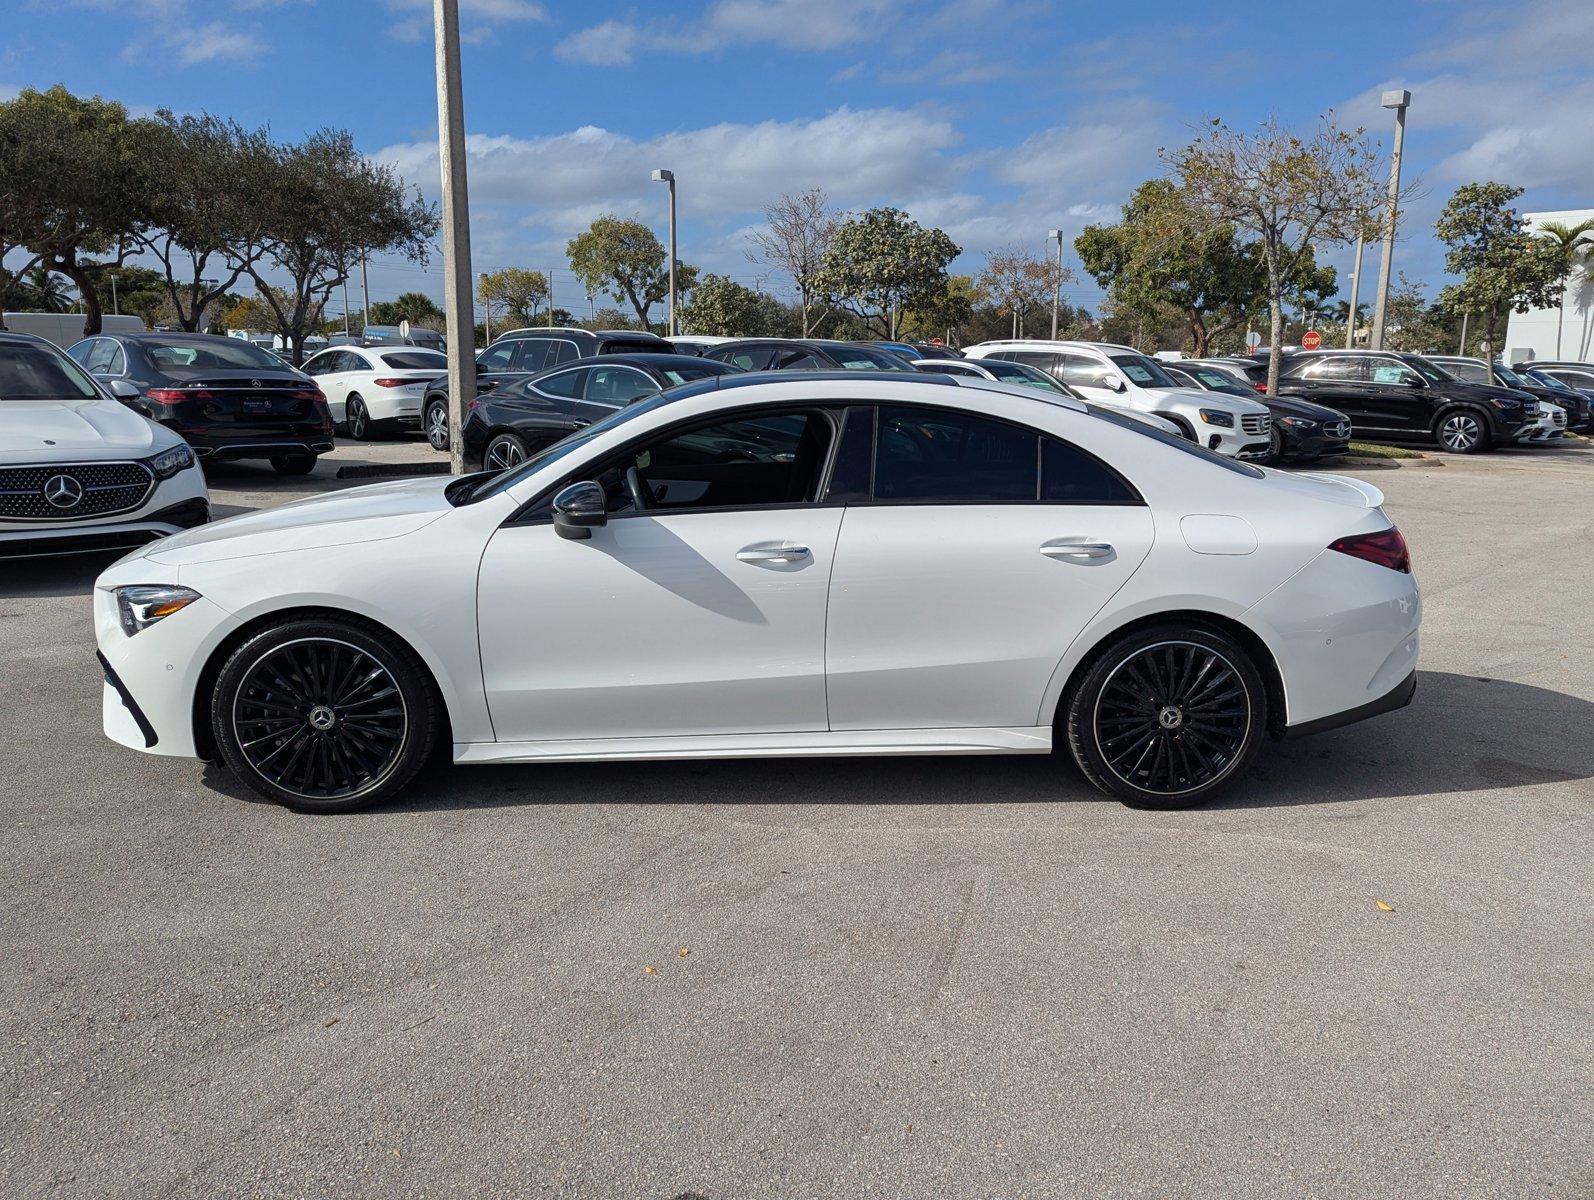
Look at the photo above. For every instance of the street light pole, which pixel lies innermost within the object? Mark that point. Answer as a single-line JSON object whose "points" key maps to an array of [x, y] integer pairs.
{"points": [[1355, 287], [662, 176], [487, 311], [456, 228], [1057, 284], [1397, 100], [365, 293]]}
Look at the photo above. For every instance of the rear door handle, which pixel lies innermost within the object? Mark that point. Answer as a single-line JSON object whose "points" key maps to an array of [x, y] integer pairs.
{"points": [[1076, 550], [774, 553]]}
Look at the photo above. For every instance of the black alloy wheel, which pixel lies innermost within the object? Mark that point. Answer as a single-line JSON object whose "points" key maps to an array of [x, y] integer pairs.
{"points": [[437, 425], [504, 451], [356, 419], [324, 715], [1167, 715]]}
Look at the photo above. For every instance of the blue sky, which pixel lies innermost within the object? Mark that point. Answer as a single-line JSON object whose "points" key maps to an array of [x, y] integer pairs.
{"points": [[995, 119]]}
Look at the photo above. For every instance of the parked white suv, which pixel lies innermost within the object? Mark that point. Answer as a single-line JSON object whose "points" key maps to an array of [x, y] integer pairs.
{"points": [[1121, 375], [80, 471]]}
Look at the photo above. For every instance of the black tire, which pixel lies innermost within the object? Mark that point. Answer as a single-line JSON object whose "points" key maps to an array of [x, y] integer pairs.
{"points": [[275, 691], [504, 451], [435, 425], [1275, 445], [1462, 431], [293, 464], [357, 419], [1167, 716]]}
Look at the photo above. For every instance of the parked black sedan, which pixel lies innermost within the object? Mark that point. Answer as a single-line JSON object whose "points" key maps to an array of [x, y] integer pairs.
{"points": [[520, 418], [1301, 429], [227, 398]]}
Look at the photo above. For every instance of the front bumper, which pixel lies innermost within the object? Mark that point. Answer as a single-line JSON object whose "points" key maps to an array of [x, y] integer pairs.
{"points": [[174, 504]]}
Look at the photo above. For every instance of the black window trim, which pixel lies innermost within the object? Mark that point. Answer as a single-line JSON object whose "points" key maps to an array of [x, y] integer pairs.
{"points": [[1139, 500]]}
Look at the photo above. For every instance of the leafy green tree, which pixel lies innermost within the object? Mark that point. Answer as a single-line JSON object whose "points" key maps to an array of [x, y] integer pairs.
{"points": [[1502, 266], [882, 263], [1287, 190], [724, 308], [37, 290], [1574, 244], [1166, 251], [76, 186], [414, 307], [625, 259], [326, 207], [515, 292], [948, 311], [1018, 282], [207, 207]]}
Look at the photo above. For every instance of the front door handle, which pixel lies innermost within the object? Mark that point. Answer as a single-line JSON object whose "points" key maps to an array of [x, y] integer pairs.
{"points": [[774, 553], [1075, 550]]}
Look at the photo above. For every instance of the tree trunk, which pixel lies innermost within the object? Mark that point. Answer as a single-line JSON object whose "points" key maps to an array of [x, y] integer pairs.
{"points": [[88, 294], [1199, 339]]}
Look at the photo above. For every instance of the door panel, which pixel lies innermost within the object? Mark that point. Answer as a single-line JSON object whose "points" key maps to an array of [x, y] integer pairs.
{"points": [[658, 625], [955, 616]]}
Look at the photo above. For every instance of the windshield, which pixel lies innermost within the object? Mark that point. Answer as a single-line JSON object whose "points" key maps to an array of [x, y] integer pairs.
{"points": [[210, 352], [1510, 378], [415, 360], [32, 372], [693, 368], [1143, 371], [1426, 369], [1217, 381], [493, 485], [1013, 372], [1549, 381], [1174, 440], [855, 359]]}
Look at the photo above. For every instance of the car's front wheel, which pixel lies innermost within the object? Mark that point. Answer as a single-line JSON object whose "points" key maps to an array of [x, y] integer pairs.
{"points": [[1167, 715], [323, 714], [436, 425], [1461, 431], [293, 464]]}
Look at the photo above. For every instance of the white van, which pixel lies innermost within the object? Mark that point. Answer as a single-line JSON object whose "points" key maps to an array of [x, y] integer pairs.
{"points": [[1121, 375], [66, 329]]}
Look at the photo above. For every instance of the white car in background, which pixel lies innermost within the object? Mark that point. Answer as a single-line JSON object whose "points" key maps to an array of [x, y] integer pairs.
{"points": [[375, 389], [80, 471], [1025, 375], [775, 564], [1122, 376]]}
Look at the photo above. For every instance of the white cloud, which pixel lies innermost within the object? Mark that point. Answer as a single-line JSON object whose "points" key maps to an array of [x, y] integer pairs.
{"points": [[213, 42], [794, 24], [415, 21]]}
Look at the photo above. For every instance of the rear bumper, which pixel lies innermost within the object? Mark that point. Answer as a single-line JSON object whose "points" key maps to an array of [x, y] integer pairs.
{"points": [[1397, 697], [223, 451]]}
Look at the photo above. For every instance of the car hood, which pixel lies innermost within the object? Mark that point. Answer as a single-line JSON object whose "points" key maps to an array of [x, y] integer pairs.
{"points": [[63, 430], [1289, 406], [356, 515], [1221, 401]]}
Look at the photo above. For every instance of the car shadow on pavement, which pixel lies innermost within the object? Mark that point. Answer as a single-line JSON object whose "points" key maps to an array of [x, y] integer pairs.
{"points": [[1462, 734], [68, 575]]}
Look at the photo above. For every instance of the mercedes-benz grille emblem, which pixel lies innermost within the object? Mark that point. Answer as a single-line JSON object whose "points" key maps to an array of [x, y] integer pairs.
{"points": [[254, 383], [62, 491]]}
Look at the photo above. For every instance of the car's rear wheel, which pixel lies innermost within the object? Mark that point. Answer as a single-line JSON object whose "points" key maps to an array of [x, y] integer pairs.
{"points": [[1461, 431], [504, 451], [1166, 716], [357, 419], [324, 715], [293, 464], [436, 425]]}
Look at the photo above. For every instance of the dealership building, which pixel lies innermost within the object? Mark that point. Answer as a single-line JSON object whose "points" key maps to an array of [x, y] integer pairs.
{"points": [[1533, 334]]}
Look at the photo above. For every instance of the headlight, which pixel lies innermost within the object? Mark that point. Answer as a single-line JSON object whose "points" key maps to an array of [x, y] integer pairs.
{"points": [[168, 462], [142, 604], [1297, 422], [1214, 416]]}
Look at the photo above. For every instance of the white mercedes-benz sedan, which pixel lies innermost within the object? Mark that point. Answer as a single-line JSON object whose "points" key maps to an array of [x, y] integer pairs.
{"points": [[79, 470], [777, 564]]}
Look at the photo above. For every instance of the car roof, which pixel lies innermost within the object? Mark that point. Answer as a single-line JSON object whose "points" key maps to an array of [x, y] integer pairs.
{"points": [[861, 383], [660, 360], [7, 335]]}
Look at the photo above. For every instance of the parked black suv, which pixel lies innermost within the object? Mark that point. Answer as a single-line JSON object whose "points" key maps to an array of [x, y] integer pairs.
{"points": [[1475, 370], [1389, 395], [228, 398], [806, 354], [523, 352], [1571, 385], [1300, 428]]}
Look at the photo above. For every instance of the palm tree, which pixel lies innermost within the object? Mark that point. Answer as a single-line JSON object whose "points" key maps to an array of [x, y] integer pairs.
{"points": [[1570, 241], [38, 290]]}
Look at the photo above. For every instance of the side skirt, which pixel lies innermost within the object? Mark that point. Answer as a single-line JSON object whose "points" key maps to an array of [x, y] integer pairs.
{"points": [[853, 742]]}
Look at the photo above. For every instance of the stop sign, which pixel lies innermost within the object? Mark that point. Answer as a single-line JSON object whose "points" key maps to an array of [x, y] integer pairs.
{"points": [[1311, 340]]}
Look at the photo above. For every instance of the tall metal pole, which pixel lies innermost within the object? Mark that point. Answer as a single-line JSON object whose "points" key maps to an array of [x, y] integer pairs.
{"points": [[345, 304], [662, 176], [1057, 292], [1462, 349], [1397, 101], [1355, 287], [550, 297], [116, 305], [456, 229], [487, 312], [365, 293]]}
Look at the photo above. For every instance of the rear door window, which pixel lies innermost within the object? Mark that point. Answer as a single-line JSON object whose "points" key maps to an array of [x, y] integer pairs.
{"points": [[533, 354], [939, 456], [565, 384]]}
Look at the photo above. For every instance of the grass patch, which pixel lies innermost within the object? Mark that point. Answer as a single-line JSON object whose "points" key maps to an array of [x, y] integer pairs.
{"points": [[1371, 450]]}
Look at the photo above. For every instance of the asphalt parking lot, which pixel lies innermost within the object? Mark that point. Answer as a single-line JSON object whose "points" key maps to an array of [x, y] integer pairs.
{"points": [[937, 977]]}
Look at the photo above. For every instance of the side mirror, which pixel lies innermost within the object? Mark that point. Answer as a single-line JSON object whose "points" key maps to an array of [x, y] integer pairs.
{"points": [[578, 509], [1112, 383], [123, 390]]}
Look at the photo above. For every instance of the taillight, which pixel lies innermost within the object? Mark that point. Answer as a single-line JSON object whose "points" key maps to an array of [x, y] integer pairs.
{"points": [[1386, 548], [392, 382], [1261, 386], [169, 396]]}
